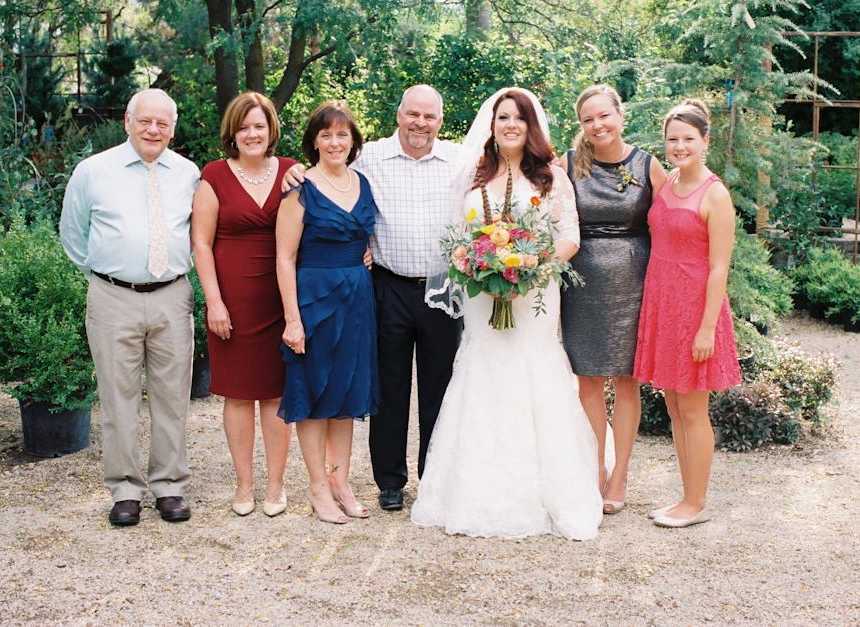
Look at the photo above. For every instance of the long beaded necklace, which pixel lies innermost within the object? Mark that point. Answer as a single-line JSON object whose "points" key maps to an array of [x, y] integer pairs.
{"points": [[255, 180], [335, 187]]}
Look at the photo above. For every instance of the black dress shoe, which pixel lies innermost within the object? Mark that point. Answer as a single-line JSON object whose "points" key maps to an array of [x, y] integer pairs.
{"points": [[391, 499], [173, 508], [125, 513]]}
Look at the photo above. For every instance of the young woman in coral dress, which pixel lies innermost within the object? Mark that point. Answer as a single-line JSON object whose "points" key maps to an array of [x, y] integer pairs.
{"points": [[686, 343]]}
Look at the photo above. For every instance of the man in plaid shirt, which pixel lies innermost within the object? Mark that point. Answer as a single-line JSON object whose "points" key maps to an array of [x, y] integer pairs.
{"points": [[410, 174]]}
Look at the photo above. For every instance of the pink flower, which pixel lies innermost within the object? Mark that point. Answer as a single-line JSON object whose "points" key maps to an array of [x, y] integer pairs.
{"points": [[462, 264], [510, 275], [520, 234], [483, 245]]}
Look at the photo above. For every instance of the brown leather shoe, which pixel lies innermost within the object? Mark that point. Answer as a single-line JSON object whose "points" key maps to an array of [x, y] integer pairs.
{"points": [[173, 508], [125, 513]]}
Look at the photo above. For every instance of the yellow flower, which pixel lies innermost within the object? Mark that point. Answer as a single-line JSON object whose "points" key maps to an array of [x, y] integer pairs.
{"points": [[471, 215], [514, 261], [488, 229]]}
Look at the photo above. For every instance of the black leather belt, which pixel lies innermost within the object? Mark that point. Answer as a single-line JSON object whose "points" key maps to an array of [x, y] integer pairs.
{"points": [[399, 277], [137, 287]]}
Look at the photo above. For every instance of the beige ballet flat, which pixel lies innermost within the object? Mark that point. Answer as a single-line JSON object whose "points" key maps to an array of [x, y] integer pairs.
{"points": [[243, 508], [271, 509], [664, 520], [659, 511]]}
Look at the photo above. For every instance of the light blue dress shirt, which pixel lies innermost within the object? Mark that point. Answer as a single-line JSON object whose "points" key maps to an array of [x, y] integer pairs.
{"points": [[105, 227]]}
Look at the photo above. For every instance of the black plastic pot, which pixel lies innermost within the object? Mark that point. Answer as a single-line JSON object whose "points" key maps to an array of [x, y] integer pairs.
{"points": [[200, 377], [816, 310], [845, 319], [48, 434]]}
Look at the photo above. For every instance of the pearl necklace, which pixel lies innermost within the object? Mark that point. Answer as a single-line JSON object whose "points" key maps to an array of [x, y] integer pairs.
{"points": [[335, 187], [255, 180]]}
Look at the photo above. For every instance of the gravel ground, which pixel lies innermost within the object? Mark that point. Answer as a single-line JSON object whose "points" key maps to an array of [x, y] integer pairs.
{"points": [[783, 547]]}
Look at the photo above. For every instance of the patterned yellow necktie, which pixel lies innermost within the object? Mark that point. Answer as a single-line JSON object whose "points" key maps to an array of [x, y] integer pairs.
{"points": [[157, 265]]}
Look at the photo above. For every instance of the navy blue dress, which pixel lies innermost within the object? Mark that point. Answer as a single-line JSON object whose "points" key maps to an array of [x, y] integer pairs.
{"points": [[337, 375]]}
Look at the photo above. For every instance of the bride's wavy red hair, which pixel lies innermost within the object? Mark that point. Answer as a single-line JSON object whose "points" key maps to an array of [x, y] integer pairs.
{"points": [[537, 153]]}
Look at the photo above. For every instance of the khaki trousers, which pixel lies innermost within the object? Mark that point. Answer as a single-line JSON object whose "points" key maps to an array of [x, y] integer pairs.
{"points": [[130, 333]]}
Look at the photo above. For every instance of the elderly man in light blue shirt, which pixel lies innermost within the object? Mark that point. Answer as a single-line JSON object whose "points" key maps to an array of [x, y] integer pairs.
{"points": [[125, 223]]}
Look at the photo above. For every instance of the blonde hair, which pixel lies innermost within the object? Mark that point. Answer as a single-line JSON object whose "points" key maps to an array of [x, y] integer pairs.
{"points": [[584, 150], [235, 114], [691, 111]]}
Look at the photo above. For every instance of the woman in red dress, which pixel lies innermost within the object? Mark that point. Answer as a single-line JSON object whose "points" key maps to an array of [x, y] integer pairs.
{"points": [[233, 234], [686, 343]]}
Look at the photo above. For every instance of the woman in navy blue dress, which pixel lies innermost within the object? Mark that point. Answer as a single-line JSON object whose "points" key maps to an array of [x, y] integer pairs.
{"points": [[329, 346]]}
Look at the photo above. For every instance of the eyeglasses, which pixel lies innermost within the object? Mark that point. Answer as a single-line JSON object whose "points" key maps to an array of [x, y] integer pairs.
{"points": [[145, 123]]}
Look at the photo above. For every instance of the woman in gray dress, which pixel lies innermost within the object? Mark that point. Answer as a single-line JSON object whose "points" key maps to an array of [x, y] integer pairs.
{"points": [[614, 184]]}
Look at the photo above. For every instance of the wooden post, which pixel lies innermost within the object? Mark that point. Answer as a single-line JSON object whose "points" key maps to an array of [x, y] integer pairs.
{"points": [[762, 213]]}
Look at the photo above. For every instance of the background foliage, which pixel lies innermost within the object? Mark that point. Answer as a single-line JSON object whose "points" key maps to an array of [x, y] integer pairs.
{"points": [[732, 53]]}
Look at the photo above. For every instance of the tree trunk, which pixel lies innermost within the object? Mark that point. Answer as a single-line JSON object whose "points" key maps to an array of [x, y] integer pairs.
{"points": [[477, 17], [253, 47], [226, 69], [293, 72]]}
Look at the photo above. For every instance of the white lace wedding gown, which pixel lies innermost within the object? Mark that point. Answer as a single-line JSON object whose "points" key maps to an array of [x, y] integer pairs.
{"points": [[513, 453]]}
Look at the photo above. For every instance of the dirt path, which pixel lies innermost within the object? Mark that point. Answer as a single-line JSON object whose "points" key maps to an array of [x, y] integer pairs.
{"points": [[783, 548]]}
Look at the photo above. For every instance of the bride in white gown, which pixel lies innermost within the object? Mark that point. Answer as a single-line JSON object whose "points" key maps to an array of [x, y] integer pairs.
{"points": [[513, 453]]}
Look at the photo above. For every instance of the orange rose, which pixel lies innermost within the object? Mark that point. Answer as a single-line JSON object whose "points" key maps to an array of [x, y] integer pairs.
{"points": [[535, 201], [500, 237]]}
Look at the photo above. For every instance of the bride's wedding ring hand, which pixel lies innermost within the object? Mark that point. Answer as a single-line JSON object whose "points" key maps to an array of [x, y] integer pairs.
{"points": [[294, 337]]}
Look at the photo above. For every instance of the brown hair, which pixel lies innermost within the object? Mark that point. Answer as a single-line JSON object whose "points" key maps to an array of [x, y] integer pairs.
{"points": [[691, 111], [235, 114], [537, 153], [328, 114], [584, 150]]}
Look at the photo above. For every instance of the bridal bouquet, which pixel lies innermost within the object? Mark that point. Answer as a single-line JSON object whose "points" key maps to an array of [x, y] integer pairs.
{"points": [[505, 256]]}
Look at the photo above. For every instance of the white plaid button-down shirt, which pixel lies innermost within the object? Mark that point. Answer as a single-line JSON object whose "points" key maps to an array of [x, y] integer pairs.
{"points": [[416, 200]]}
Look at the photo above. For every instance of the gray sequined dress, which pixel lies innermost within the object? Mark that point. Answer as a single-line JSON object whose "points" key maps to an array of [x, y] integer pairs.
{"points": [[599, 321]]}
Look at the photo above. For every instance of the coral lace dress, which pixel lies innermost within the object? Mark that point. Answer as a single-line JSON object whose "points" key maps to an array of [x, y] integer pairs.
{"points": [[674, 300]]}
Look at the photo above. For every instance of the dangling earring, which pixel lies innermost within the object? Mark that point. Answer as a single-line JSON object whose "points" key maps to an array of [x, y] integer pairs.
{"points": [[495, 146]]}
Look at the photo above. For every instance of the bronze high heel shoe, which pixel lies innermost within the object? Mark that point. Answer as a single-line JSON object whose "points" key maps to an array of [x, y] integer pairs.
{"points": [[335, 520], [359, 511]]}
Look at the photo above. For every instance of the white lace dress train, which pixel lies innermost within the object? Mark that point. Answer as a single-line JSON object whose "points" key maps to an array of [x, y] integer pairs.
{"points": [[512, 453]]}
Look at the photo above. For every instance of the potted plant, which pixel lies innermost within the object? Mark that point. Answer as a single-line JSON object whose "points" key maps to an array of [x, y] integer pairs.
{"points": [[200, 374], [46, 361]]}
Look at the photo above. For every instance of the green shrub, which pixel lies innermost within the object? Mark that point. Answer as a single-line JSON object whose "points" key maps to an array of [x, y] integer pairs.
{"points": [[836, 187], [42, 320], [655, 416], [757, 291], [829, 281], [748, 416], [786, 432], [201, 348], [755, 351], [806, 383]]}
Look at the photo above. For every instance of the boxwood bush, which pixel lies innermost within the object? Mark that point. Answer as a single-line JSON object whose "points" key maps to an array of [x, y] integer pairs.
{"points": [[829, 285], [43, 337]]}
